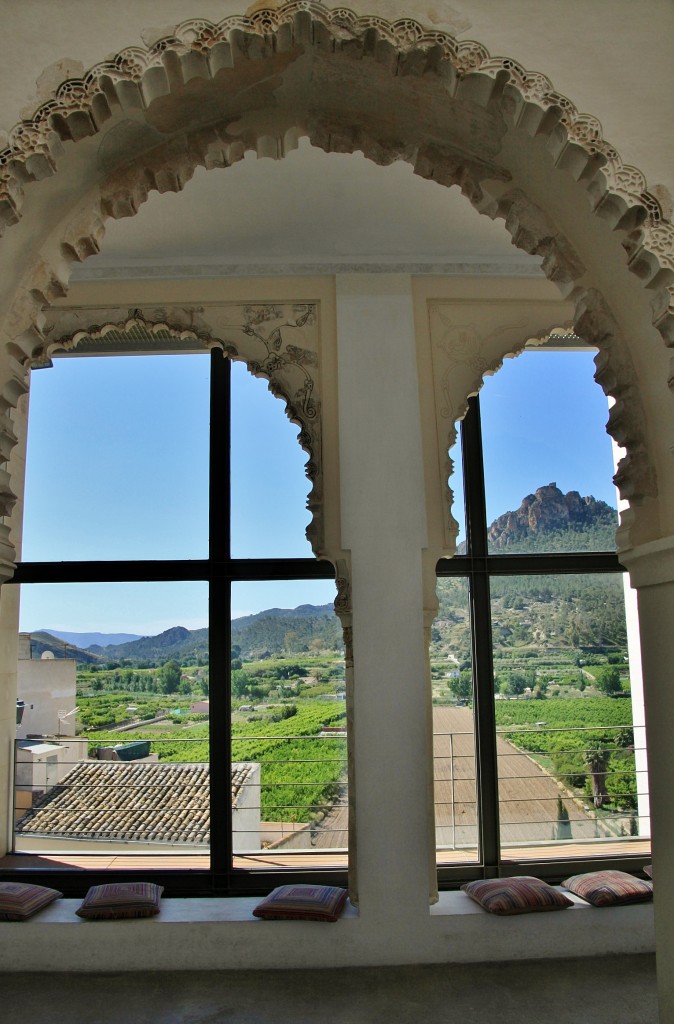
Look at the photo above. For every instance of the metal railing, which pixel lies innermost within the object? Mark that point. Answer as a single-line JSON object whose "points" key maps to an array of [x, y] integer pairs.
{"points": [[290, 792], [589, 789]]}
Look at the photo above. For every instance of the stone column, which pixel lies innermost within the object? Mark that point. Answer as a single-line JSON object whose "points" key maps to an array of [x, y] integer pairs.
{"points": [[383, 526], [651, 568]]}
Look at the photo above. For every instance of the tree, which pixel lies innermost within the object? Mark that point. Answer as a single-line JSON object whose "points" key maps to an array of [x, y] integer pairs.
{"points": [[169, 677], [290, 640], [516, 683], [597, 760], [462, 686], [241, 683], [608, 679]]}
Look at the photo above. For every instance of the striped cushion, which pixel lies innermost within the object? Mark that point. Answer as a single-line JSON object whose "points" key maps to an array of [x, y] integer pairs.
{"points": [[20, 900], [121, 899], [302, 903], [607, 888], [520, 895]]}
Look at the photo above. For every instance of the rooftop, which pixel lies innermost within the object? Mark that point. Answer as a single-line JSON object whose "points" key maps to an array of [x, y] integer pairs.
{"points": [[110, 800]]}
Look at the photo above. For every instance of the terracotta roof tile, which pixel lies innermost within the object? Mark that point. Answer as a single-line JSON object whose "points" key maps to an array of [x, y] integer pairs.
{"points": [[161, 802]]}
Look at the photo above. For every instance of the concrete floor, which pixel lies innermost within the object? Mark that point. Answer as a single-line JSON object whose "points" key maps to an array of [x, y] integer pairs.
{"points": [[619, 990]]}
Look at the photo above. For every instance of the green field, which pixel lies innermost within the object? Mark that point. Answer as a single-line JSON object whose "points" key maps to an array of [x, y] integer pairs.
{"points": [[279, 707], [299, 775], [605, 734]]}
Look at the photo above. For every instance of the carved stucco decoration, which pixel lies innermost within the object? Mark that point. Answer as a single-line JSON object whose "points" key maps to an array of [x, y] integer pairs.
{"points": [[486, 96], [279, 341], [199, 49], [471, 340]]}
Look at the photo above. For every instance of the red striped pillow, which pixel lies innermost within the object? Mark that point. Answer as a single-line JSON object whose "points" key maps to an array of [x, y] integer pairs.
{"points": [[522, 894], [608, 888], [302, 903], [20, 900], [121, 899]]}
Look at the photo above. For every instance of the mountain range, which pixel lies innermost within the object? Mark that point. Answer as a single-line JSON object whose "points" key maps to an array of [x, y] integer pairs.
{"points": [[547, 520], [85, 640]]}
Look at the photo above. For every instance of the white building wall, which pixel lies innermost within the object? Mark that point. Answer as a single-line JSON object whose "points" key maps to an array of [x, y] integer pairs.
{"points": [[47, 688], [246, 814]]}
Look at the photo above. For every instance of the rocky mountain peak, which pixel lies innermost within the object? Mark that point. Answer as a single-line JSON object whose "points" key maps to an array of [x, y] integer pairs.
{"points": [[548, 510]]}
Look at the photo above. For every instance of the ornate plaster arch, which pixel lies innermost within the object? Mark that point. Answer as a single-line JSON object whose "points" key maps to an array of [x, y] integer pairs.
{"points": [[277, 341], [473, 105], [199, 50]]}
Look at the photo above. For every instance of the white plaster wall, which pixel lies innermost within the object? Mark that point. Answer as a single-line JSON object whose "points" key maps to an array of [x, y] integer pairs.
{"points": [[383, 526], [32, 763], [49, 686], [246, 814], [611, 57]]}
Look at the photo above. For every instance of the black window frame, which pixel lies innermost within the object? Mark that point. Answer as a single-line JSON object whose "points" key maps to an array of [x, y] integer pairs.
{"points": [[477, 566], [219, 570]]}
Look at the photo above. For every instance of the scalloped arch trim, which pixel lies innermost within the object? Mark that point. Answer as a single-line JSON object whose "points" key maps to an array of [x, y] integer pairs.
{"points": [[200, 48]]}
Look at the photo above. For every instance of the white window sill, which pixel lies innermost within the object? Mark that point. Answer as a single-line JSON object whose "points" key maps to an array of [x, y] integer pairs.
{"points": [[223, 934]]}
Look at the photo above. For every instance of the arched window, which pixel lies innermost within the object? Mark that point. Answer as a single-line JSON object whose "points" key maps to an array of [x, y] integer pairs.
{"points": [[193, 689], [539, 756]]}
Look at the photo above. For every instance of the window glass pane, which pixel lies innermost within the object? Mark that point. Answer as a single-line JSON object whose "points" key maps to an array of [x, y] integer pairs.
{"points": [[289, 724], [547, 457], [453, 726], [112, 751], [117, 459], [568, 751], [269, 485]]}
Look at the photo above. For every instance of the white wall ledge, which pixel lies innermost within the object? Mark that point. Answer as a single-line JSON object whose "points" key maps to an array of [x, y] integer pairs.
{"points": [[223, 934]]}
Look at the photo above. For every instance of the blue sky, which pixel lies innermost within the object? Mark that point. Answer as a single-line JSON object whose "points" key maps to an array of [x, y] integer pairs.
{"points": [[118, 459]]}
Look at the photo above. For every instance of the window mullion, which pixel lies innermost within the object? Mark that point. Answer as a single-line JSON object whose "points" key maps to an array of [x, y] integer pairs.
{"points": [[481, 640], [219, 617]]}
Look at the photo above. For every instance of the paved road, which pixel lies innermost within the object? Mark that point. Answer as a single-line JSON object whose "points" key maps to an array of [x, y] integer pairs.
{"points": [[528, 796]]}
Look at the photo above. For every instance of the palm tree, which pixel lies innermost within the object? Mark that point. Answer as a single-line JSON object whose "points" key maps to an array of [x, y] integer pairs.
{"points": [[597, 759]]}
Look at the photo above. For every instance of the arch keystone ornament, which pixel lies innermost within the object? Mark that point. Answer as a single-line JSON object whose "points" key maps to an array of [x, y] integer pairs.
{"points": [[207, 93]]}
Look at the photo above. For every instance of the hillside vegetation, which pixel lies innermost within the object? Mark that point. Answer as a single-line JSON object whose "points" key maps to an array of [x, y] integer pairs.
{"points": [[555, 638]]}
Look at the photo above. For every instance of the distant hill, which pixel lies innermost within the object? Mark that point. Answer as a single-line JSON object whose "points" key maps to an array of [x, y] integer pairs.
{"points": [[281, 629], [174, 643], [549, 520], [265, 634], [42, 641], [571, 611], [85, 640]]}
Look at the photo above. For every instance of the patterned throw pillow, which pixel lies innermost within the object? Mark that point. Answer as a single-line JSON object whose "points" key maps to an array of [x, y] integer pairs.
{"points": [[608, 888], [648, 870], [522, 894], [302, 903], [120, 900], [20, 900]]}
